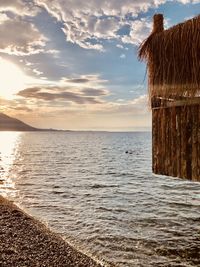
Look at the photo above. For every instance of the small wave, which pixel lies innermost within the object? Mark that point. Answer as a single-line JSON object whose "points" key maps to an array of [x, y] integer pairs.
{"points": [[68, 196], [57, 192], [56, 186], [104, 209], [97, 186], [174, 204]]}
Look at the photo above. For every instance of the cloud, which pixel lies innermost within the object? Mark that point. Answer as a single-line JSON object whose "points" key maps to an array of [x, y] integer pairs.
{"points": [[19, 37], [88, 23], [139, 30], [19, 7], [84, 80], [85, 24], [94, 92], [119, 46], [137, 106], [3, 18], [189, 1], [77, 80], [14, 105], [83, 96], [21, 108], [108, 115], [122, 56], [37, 72]]}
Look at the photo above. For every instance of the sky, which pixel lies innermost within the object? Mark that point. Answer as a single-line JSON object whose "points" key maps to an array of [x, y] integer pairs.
{"points": [[72, 64]]}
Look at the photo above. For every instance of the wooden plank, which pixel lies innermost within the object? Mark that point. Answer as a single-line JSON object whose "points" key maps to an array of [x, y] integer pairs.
{"points": [[164, 141], [154, 140], [179, 103], [178, 140], [188, 140], [167, 142], [183, 142], [158, 102], [158, 150], [158, 146], [173, 142], [198, 146], [170, 130], [194, 117]]}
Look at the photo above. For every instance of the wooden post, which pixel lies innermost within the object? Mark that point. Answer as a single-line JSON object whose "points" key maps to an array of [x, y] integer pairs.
{"points": [[158, 25]]}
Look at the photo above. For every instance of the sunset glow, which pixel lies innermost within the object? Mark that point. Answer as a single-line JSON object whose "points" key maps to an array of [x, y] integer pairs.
{"points": [[12, 79], [73, 65]]}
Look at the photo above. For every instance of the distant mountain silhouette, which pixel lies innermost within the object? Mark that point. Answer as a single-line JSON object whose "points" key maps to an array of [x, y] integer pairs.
{"points": [[11, 124]]}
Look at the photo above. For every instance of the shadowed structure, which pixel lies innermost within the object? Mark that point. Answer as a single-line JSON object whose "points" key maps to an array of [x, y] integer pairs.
{"points": [[173, 61]]}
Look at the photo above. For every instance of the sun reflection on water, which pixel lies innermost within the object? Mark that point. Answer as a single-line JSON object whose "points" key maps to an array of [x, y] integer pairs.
{"points": [[8, 148]]}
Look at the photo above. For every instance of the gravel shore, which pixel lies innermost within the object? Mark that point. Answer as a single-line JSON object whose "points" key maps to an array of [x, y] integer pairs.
{"points": [[26, 242]]}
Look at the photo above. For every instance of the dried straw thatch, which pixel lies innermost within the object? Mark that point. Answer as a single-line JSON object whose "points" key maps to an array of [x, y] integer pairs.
{"points": [[173, 59]]}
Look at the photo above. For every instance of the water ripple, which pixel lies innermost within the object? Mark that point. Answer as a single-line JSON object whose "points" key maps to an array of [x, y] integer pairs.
{"points": [[102, 199]]}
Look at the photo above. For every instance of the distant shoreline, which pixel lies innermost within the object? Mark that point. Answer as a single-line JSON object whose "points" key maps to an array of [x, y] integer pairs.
{"points": [[11, 124], [76, 131]]}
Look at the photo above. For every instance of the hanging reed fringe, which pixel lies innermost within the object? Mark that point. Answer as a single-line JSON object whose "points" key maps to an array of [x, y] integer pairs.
{"points": [[173, 59]]}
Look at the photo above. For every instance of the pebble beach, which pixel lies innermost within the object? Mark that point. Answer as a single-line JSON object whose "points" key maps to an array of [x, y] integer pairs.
{"points": [[25, 241]]}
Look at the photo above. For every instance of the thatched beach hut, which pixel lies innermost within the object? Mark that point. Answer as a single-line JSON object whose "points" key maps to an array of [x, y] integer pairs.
{"points": [[173, 61]]}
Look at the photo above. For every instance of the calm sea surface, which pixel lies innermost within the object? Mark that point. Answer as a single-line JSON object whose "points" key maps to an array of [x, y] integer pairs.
{"points": [[103, 200]]}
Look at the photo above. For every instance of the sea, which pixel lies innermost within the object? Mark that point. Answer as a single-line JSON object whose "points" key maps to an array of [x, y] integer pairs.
{"points": [[97, 190]]}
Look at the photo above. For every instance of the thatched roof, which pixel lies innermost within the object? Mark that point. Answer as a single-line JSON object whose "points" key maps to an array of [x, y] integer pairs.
{"points": [[173, 59]]}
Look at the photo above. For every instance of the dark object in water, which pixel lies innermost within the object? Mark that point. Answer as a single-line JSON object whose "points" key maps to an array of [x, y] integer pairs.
{"points": [[129, 152]]}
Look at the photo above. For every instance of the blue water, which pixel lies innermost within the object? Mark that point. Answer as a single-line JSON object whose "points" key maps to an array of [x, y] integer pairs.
{"points": [[97, 190]]}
